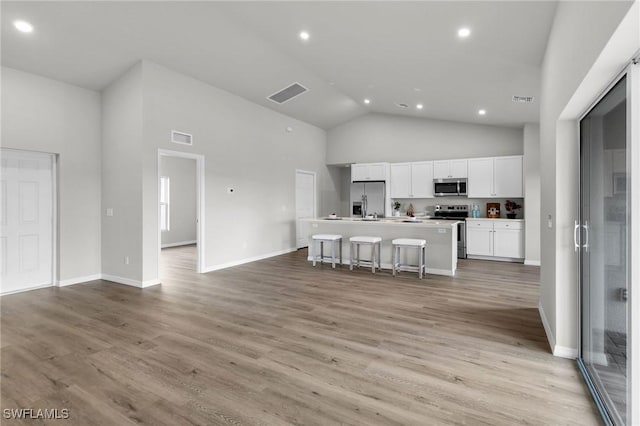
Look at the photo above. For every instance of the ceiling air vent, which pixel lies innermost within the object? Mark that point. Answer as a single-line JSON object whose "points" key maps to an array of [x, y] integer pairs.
{"points": [[181, 138], [522, 99], [402, 105], [288, 93]]}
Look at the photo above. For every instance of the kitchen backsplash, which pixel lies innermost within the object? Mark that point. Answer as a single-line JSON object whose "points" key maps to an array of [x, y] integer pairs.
{"points": [[421, 205]]}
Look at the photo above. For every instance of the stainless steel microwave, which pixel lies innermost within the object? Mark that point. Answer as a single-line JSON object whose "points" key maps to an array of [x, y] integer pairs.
{"points": [[450, 187]]}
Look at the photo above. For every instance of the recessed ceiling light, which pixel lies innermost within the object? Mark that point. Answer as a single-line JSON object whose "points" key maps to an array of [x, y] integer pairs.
{"points": [[482, 111], [419, 106], [304, 35], [367, 101], [464, 32], [23, 26]]}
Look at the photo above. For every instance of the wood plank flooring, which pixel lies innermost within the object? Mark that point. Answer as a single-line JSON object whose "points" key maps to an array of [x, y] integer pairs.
{"points": [[278, 342]]}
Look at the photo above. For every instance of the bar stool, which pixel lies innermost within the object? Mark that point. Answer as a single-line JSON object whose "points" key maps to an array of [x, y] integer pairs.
{"points": [[374, 242], [326, 238], [409, 243]]}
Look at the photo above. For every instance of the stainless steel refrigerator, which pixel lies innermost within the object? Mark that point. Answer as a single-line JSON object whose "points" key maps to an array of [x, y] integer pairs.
{"points": [[367, 198]]}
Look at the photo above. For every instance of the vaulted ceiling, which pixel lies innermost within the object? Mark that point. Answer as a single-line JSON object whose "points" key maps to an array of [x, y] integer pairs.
{"points": [[386, 51]]}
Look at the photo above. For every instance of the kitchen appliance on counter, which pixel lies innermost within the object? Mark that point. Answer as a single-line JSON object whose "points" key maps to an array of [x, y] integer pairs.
{"points": [[455, 212], [367, 198], [450, 187]]}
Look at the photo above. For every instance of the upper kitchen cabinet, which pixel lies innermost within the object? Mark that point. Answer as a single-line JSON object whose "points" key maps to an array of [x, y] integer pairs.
{"points": [[445, 169], [369, 171], [508, 177], [495, 177], [412, 180]]}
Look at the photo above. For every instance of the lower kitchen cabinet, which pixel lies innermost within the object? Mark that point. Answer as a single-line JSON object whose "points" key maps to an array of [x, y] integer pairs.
{"points": [[495, 239]]}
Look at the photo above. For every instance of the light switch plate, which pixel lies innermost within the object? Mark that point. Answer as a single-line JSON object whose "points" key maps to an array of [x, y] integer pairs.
{"points": [[109, 211]]}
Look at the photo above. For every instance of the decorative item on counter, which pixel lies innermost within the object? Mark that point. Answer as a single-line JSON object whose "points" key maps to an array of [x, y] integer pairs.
{"points": [[396, 208], [512, 208], [493, 210], [475, 211], [410, 211]]}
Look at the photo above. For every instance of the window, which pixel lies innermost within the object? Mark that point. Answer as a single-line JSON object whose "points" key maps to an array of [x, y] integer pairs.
{"points": [[164, 203]]}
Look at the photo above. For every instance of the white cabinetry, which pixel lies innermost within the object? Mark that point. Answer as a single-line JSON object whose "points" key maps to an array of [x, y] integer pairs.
{"points": [[412, 180], [495, 238], [369, 171], [508, 176], [495, 177], [445, 169]]}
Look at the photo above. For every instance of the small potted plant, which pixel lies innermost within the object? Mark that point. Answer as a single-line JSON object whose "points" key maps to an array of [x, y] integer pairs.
{"points": [[396, 208], [512, 208]]}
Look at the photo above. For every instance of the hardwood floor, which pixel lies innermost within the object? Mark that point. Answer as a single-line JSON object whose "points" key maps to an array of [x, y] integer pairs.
{"points": [[279, 342]]}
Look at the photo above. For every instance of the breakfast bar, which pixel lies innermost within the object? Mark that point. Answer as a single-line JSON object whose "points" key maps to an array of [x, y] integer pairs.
{"points": [[441, 237]]}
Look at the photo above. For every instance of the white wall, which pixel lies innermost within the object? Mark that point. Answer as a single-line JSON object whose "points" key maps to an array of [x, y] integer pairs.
{"points": [[182, 201], [531, 144], [579, 34], [122, 177], [381, 137], [39, 114], [247, 147]]}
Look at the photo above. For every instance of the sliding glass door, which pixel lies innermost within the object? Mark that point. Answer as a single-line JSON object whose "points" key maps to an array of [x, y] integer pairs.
{"points": [[603, 239]]}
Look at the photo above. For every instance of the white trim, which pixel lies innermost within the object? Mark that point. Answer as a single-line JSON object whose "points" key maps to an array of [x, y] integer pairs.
{"points": [[178, 244], [315, 197], [556, 350], [200, 205], [54, 206], [633, 308], [565, 352], [21, 290], [547, 329], [129, 281], [532, 262], [248, 260], [496, 258], [79, 280]]}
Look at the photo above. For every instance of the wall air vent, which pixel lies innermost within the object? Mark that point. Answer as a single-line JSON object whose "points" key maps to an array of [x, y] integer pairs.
{"points": [[522, 99], [181, 138], [287, 93]]}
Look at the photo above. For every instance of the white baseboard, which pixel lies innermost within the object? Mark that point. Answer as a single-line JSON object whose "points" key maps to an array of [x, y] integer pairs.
{"points": [[129, 281], [247, 260], [565, 352], [547, 329], [35, 287], [556, 350], [79, 280], [532, 262], [178, 244]]}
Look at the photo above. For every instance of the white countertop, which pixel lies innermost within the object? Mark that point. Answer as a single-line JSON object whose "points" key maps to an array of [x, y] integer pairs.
{"points": [[497, 218], [397, 221]]}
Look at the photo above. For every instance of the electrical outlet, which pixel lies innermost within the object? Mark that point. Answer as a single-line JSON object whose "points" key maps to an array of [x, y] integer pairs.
{"points": [[126, 260], [314, 225], [109, 211], [442, 231], [549, 222]]}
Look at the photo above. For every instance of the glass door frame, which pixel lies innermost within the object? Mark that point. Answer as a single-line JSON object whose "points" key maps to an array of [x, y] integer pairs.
{"points": [[632, 72]]}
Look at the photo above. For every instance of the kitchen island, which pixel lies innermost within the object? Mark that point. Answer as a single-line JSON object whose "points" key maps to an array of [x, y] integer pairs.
{"points": [[441, 237]]}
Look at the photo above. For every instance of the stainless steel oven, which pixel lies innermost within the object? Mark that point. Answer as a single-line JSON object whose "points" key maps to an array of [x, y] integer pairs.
{"points": [[459, 213]]}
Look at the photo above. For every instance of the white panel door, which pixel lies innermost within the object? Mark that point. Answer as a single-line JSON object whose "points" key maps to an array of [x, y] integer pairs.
{"points": [[26, 225], [422, 179], [400, 180], [377, 172], [508, 177], [305, 204], [479, 238], [359, 172], [508, 243], [480, 184]]}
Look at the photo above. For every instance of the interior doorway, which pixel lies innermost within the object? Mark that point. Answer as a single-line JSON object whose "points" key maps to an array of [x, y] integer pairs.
{"points": [[27, 220], [181, 208], [305, 203]]}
